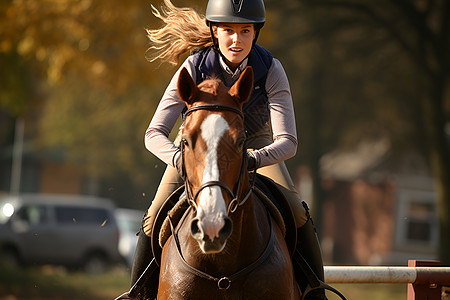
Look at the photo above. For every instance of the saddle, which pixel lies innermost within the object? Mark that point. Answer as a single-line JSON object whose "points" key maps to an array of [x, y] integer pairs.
{"points": [[266, 190]]}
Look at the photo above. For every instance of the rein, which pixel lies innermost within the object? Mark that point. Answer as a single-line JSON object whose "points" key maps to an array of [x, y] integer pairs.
{"points": [[224, 283], [235, 203]]}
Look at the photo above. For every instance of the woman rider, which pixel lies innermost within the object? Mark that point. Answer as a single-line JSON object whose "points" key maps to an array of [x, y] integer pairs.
{"points": [[223, 49]]}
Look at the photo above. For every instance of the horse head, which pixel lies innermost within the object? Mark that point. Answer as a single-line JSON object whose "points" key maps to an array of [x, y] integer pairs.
{"points": [[214, 155]]}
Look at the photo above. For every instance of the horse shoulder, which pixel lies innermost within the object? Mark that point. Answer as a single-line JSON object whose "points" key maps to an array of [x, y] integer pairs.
{"points": [[274, 279], [174, 281]]}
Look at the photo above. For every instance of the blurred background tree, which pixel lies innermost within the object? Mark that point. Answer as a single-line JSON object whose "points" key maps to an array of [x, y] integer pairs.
{"points": [[371, 70], [76, 70]]}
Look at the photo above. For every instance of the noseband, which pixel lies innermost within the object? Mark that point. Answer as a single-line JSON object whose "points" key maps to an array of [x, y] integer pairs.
{"points": [[235, 203]]}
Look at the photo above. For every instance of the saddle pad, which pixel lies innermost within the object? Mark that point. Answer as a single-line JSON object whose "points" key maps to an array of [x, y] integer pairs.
{"points": [[273, 191], [175, 214], [273, 210], [168, 205]]}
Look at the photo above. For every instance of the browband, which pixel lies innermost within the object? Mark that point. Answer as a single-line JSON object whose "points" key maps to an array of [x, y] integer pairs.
{"points": [[215, 107]]}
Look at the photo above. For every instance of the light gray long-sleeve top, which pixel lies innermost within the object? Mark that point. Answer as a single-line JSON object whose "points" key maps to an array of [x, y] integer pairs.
{"points": [[281, 114]]}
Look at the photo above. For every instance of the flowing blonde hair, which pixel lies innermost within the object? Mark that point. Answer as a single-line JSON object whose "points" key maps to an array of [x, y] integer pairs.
{"points": [[184, 30]]}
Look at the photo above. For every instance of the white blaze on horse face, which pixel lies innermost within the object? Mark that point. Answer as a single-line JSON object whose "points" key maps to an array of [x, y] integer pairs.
{"points": [[211, 207]]}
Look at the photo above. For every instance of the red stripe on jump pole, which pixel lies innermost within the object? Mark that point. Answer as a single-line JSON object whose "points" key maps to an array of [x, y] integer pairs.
{"points": [[429, 281]]}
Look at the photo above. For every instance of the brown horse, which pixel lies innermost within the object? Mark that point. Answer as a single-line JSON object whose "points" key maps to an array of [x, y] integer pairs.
{"points": [[227, 246]]}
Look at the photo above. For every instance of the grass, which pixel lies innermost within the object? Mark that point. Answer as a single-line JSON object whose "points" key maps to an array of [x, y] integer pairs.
{"points": [[370, 291], [52, 283]]}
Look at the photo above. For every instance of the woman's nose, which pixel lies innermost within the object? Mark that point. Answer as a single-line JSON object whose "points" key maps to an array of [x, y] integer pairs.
{"points": [[235, 37]]}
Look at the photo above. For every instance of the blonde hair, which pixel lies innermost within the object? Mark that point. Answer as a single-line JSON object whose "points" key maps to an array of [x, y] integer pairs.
{"points": [[184, 30]]}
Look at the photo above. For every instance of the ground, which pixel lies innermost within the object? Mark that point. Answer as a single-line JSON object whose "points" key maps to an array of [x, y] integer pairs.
{"points": [[55, 283]]}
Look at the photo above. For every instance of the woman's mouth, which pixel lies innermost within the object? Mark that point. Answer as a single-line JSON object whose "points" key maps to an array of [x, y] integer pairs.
{"points": [[236, 50]]}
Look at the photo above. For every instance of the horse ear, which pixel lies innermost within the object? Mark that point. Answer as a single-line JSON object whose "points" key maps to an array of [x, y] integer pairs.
{"points": [[243, 87], [187, 89]]}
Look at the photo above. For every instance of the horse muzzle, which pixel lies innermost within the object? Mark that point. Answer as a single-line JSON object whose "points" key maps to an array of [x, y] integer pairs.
{"points": [[209, 241]]}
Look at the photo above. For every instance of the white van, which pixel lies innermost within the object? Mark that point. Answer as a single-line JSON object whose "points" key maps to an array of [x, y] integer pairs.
{"points": [[78, 231], [129, 223]]}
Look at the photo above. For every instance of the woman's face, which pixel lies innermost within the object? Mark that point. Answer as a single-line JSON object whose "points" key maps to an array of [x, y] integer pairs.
{"points": [[235, 42]]}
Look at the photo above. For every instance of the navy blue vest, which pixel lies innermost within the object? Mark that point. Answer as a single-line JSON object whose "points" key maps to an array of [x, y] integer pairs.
{"points": [[256, 109]]}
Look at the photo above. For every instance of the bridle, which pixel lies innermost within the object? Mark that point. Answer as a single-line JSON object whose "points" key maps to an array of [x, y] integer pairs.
{"points": [[192, 198]]}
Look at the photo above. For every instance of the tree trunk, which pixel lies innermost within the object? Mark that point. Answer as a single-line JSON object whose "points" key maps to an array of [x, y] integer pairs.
{"points": [[317, 147], [440, 161]]}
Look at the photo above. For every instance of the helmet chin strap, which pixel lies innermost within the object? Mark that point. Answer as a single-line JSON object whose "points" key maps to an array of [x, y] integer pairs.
{"points": [[215, 43], [256, 33]]}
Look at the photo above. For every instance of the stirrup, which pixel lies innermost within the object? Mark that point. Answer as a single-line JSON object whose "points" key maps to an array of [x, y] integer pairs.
{"points": [[321, 285], [314, 283], [134, 290]]}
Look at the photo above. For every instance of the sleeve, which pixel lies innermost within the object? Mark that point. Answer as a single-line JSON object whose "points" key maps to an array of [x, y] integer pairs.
{"points": [[282, 119], [166, 115]]}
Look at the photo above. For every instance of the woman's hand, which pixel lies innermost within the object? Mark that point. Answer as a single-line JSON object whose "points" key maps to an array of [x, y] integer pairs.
{"points": [[178, 163], [251, 161]]}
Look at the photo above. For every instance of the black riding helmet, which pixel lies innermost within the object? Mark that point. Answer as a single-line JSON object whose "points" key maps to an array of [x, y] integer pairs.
{"points": [[236, 11]]}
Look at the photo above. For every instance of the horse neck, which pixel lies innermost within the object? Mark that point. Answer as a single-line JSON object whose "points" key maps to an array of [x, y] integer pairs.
{"points": [[249, 229]]}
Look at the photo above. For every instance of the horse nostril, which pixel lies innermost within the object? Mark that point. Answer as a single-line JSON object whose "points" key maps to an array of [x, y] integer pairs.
{"points": [[195, 228], [226, 229]]}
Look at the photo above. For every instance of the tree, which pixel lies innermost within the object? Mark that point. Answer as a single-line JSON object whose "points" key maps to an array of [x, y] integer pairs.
{"points": [[78, 73]]}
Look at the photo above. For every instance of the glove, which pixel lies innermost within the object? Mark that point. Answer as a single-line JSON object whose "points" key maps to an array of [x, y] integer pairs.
{"points": [[251, 161], [178, 163]]}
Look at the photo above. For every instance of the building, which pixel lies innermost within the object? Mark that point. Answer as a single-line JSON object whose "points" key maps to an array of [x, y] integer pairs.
{"points": [[377, 210]]}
